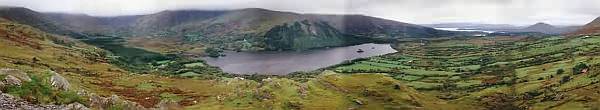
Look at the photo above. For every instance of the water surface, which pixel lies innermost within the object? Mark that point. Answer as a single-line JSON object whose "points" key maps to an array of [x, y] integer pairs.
{"points": [[465, 30], [280, 63]]}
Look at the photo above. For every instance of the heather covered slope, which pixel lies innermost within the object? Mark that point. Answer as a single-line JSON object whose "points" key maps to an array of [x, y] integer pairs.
{"points": [[93, 25], [591, 28], [37, 20]]}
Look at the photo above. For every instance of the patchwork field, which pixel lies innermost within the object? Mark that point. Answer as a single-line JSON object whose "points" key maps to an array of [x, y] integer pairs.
{"points": [[527, 71]]}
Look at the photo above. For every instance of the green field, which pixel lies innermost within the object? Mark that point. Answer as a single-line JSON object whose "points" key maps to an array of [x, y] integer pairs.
{"points": [[465, 70]]}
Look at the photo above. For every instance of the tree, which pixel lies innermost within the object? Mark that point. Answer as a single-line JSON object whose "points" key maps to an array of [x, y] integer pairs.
{"points": [[212, 52], [579, 67], [560, 71]]}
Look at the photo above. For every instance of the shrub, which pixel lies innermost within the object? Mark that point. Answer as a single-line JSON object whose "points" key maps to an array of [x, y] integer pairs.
{"points": [[213, 52], [560, 71], [565, 79], [35, 91], [38, 90], [67, 97]]}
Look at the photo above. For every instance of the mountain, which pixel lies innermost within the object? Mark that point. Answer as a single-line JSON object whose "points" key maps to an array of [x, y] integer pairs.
{"points": [[252, 29], [590, 28], [229, 28], [35, 19], [538, 27], [543, 28], [89, 24], [168, 19], [304, 35], [377, 27]]}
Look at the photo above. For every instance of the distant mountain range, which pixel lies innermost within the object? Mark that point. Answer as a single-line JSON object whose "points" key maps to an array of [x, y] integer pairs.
{"points": [[538, 27], [549, 29], [473, 26], [258, 29]]}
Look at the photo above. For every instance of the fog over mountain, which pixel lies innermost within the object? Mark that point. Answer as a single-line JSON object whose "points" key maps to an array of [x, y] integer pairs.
{"points": [[516, 12]]}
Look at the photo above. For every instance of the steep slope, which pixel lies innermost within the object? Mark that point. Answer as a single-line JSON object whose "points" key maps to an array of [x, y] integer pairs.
{"points": [[35, 19], [543, 28], [376, 27], [240, 23], [165, 20], [305, 35], [590, 28], [89, 24]]}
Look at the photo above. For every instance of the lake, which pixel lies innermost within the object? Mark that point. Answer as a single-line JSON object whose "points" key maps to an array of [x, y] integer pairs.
{"points": [[464, 30], [284, 62]]}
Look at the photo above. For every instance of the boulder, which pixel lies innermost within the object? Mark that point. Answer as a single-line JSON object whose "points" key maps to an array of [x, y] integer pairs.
{"points": [[58, 81], [2, 85], [168, 105], [76, 106], [16, 73], [99, 102], [358, 102], [12, 80]]}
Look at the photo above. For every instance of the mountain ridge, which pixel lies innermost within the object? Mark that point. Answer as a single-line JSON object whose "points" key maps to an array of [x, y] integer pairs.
{"points": [[227, 29], [543, 28], [590, 28], [38, 20]]}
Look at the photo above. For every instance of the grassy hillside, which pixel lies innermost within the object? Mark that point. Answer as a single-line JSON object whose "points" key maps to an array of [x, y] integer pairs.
{"points": [[513, 72]]}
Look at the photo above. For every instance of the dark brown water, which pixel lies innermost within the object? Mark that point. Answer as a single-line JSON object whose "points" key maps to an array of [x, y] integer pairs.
{"points": [[280, 63]]}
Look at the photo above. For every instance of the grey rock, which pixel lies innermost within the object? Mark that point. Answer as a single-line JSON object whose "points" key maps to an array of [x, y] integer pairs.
{"points": [[168, 105], [8, 102], [358, 102], [16, 73], [105, 102], [76, 106], [99, 102], [2, 85], [59, 82], [12, 80]]}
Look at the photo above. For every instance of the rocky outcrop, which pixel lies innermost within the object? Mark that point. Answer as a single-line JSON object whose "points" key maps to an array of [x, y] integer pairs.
{"points": [[12, 77], [108, 102], [16, 73], [58, 81], [11, 80], [168, 105], [76, 106], [9, 102]]}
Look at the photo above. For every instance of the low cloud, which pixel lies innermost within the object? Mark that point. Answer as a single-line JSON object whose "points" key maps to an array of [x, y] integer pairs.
{"points": [[519, 12]]}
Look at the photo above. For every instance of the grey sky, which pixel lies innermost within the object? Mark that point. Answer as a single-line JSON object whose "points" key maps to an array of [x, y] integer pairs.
{"points": [[519, 12]]}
